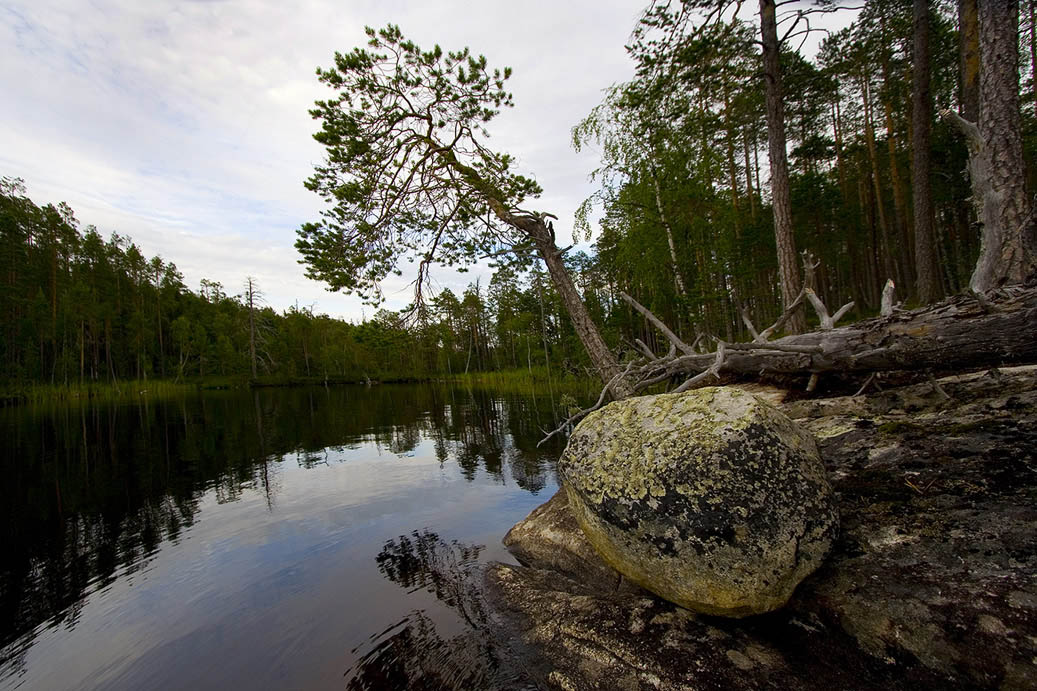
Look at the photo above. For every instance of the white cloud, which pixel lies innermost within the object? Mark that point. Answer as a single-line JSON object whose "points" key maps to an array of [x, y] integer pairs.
{"points": [[185, 125]]}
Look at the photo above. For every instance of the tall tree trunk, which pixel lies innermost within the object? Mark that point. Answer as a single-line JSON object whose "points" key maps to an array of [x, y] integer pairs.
{"points": [[748, 174], [837, 130], [788, 270], [677, 279], [900, 216], [1033, 51], [1008, 253], [874, 265], [158, 312], [880, 206], [732, 169], [927, 275], [756, 165]]}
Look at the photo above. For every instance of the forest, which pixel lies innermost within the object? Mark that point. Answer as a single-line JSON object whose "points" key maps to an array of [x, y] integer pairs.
{"points": [[684, 219], [79, 308]]}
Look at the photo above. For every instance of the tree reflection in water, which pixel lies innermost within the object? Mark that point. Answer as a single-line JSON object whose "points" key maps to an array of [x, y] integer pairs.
{"points": [[424, 561], [412, 654]]}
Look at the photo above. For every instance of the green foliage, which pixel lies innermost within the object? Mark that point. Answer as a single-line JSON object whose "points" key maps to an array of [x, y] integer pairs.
{"points": [[407, 176], [683, 180]]}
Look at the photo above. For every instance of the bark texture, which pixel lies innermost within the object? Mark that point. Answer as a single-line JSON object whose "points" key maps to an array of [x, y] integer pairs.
{"points": [[780, 200], [1007, 253], [541, 232]]}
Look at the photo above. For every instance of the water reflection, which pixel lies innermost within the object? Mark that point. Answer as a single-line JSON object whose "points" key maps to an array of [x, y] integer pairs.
{"points": [[412, 654], [92, 493]]}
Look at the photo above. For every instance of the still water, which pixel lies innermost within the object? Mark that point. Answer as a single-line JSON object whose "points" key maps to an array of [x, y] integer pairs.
{"points": [[276, 539]]}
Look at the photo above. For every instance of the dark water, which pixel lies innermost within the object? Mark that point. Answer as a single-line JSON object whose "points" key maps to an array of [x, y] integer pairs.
{"points": [[293, 538]]}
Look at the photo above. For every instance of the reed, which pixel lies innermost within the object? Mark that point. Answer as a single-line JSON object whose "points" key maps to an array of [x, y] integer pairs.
{"points": [[539, 380], [95, 392]]}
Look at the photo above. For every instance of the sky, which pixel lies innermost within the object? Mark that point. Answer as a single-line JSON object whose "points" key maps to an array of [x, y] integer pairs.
{"points": [[185, 125]]}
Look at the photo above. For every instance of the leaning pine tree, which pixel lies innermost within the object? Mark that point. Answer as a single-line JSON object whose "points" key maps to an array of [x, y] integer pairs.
{"points": [[408, 177]]}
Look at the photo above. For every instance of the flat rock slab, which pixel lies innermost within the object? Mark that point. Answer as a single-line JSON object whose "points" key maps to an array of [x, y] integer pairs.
{"points": [[932, 582]]}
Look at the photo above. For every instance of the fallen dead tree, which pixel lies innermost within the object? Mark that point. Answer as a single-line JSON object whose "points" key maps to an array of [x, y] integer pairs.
{"points": [[963, 332]]}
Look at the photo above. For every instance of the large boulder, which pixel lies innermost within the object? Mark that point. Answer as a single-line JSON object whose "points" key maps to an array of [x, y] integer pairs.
{"points": [[550, 538], [711, 499]]}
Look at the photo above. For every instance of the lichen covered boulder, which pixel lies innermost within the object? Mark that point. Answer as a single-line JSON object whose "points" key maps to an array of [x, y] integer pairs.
{"points": [[711, 499]]}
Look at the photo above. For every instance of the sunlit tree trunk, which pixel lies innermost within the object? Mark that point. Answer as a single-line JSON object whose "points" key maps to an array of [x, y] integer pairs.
{"points": [[678, 280]]}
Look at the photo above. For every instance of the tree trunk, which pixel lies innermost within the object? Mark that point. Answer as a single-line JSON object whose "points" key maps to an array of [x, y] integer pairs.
{"points": [[677, 279], [1033, 51], [927, 276], [961, 332], [748, 175], [788, 270], [1007, 252], [732, 169], [900, 218], [601, 357], [251, 328], [886, 249]]}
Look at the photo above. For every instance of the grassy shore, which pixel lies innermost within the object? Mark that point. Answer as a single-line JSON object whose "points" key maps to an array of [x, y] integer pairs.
{"points": [[535, 381], [107, 392], [522, 381]]}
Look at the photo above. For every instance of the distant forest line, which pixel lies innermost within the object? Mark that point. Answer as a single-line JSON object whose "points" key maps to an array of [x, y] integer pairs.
{"points": [[78, 308]]}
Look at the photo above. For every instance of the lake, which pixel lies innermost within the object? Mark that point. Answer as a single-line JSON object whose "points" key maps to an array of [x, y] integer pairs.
{"points": [[276, 538]]}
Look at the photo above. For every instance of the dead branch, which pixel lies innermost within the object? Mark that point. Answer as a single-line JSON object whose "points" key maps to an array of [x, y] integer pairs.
{"points": [[789, 311], [657, 323], [827, 322], [967, 128], [748, 322], [572, 419], [714, 370], [867, 382], [644, 348]]}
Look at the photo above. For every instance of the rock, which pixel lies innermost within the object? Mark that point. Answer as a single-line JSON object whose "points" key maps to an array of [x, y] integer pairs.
{"points": [[550, 538], [711, 499], [930, 583]]}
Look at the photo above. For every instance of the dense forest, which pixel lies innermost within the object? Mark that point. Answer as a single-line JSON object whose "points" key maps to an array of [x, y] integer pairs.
{"points": [[685, 217], [79, 308], [683, 186]]}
